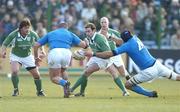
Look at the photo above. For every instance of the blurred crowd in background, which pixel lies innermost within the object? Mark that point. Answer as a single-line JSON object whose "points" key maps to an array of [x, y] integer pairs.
{"points": [[156, 22]]}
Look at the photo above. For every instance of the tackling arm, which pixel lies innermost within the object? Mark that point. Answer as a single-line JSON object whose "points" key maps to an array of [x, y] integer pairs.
{"points": [[118, 41], [105, 54]]}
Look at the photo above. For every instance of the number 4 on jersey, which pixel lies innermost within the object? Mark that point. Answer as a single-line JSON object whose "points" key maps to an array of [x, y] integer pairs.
{"points": [[140, 44]]}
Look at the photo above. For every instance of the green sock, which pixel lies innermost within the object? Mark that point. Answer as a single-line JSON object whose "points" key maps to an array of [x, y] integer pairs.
{"points": [[15, 81], [83, 86], [81, 80], [120, 84], [38, 84]]}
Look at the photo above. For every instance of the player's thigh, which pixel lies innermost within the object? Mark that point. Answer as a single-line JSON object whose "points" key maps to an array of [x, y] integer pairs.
{"points": [[163, 71], [93, 67], [15, 62], [144, 76], [166, 72], [65, 60]]}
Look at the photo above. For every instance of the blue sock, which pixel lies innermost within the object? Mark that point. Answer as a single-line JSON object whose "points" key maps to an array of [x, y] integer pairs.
{"points": [[141, 90], [62, 82]]}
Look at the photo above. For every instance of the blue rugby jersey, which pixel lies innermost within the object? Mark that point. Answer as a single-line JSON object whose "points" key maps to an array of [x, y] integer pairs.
{"points": [[60, 38], [137, 52]]}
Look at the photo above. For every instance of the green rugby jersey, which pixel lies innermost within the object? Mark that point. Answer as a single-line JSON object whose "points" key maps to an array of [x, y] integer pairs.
{"points": [[21, 47], [113, 33], [98, 43]]}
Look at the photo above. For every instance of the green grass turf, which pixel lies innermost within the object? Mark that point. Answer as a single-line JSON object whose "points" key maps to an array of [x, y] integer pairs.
{"points": [[102, 95]]}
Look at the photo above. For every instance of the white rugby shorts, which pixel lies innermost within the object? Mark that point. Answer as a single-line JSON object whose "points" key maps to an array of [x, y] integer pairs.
{"points": [[25, 61], [117, 60], [59, 58], [153, 72], [102, 63]]}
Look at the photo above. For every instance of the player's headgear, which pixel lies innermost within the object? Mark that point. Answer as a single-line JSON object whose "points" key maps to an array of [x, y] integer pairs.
{"points": [[126, 35]]}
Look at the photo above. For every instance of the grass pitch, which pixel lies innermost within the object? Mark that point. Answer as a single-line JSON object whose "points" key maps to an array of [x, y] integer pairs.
{"points": [[102, 95]]}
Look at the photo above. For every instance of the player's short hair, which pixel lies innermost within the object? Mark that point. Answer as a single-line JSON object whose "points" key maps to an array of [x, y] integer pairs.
{"points": [[63, 23], [90, 25], [104, 18], [24, 22]]}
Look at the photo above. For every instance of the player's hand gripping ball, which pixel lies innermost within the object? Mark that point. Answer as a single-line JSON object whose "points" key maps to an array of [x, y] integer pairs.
{"points": [[78, 55]]}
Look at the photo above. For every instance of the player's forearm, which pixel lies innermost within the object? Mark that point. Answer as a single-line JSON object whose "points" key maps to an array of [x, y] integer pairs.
{"points": [[118, 41], [36, 47], [105, 55], [36, 55]]}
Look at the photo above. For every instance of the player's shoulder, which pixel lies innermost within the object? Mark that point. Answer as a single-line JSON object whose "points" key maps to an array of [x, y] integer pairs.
{"points": [[110, 29], [113, 30], [99, 35], [33, 32], [15, 32]]}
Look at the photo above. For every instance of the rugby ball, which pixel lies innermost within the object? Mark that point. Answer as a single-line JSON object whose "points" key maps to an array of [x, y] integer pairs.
{"points": [[78, 55]]}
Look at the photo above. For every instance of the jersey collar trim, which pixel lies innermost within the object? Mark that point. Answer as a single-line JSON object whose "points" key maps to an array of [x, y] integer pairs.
{"points": [[19, 35], [94, 36]]}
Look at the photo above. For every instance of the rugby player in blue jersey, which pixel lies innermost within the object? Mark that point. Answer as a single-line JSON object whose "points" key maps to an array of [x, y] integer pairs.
{"points": [[60, 41], [149, 66]]}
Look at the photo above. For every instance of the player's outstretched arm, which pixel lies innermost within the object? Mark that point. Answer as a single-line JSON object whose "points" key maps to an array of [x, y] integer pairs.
{"points": [[118, 41], [105, 54]]}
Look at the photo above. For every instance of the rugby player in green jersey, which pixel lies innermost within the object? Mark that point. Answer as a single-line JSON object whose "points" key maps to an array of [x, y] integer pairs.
{"points": [[113, 39], [97, 43], [22, 40]]}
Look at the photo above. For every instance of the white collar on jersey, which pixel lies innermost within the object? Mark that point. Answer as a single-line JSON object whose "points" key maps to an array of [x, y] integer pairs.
{"points": [[24, 38], [94, 36]]}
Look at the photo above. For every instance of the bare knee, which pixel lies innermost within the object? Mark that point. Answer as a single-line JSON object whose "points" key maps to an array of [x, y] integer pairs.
{"points": [[128, 85], [178, 77], [35, 73], [14, 72], [87, 73], [36, 76]]}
